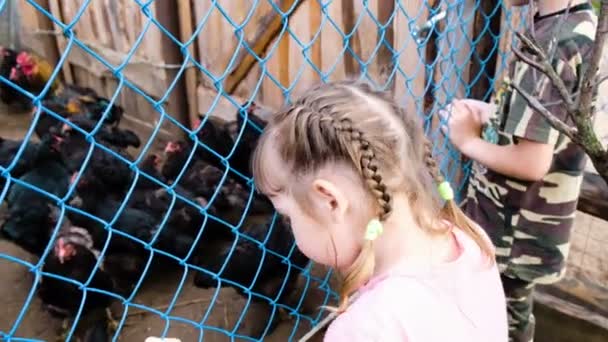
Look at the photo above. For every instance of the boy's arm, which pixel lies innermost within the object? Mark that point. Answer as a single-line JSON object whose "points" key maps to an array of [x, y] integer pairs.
{"points": [[531, 156], [527, 160]]}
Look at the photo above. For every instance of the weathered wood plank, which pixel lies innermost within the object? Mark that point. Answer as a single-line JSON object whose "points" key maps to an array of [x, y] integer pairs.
{"points": [[385, 39], [483, 65], [223, 108], [410, 80], [268, 29], [593, 198], [186, 29]]}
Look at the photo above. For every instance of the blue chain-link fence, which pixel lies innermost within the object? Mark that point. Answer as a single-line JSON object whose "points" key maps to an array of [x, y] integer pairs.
{"points": [[100, 218]]}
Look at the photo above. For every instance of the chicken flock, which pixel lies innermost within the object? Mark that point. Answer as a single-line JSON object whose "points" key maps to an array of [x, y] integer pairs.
{"points": [[179, 206]]}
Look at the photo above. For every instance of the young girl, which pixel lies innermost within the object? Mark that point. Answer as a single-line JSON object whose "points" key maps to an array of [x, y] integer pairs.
{"points": [[355, 176]]}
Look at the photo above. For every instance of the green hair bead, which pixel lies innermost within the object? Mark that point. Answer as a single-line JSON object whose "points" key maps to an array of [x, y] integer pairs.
{"points": [[445, 191], [373, 230]]}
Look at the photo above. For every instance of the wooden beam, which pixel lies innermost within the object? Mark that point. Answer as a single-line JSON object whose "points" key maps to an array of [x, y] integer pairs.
{"points": [[186, 29], [351, 65], [485, 51], [61, 41], [284, 60], [385, 54], [269, 27], [168, 15], [580, 288], [315, 26], [575, 322], [430, 57]]}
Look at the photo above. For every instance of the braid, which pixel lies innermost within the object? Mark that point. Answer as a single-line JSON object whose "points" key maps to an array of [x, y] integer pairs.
{"points": [[367, 162], [431, 163]]}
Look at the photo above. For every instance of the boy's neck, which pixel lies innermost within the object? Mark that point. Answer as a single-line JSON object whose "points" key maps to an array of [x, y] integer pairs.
{"points": [[551, 6], [403, 241]]}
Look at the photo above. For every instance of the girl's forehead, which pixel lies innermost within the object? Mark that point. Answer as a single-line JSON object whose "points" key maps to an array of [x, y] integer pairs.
{"points": [[272, 173]]}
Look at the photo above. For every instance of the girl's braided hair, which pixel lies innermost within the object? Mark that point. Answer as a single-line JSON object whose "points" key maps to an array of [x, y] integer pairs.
{"points": [[352, 123]]}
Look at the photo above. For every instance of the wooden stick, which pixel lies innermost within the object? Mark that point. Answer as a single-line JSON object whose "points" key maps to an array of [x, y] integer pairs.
{"points": [[318, 327], [284, 60], [268, 28], [165, 307]]}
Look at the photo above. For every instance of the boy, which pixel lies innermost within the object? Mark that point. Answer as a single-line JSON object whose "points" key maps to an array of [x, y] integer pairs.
{"points": [[525, 184]]}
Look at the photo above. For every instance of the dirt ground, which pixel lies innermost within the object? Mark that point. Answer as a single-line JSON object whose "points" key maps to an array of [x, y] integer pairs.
{"points": [[157, 292]]}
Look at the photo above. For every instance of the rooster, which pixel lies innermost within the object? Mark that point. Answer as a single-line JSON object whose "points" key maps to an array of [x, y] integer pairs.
{"points": [[32, 73]]}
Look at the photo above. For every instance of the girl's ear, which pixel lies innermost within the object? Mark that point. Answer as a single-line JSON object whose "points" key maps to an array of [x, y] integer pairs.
{"points": [[330, 198]]}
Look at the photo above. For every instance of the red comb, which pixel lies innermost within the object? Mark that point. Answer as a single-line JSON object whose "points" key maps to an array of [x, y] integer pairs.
{"points": [[58, 138], [22, 58], [73, 178], [171, 147], [13, 74]]}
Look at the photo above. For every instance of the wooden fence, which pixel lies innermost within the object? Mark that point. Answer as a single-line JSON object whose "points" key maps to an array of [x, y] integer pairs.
{"points": [[111, 28]]}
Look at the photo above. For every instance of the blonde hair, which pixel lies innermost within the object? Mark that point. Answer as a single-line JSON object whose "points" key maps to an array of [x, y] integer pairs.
{"points": [[350, 122]]}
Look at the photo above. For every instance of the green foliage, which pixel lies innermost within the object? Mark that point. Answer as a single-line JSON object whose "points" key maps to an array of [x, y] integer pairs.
{"points": [[596, 5]]}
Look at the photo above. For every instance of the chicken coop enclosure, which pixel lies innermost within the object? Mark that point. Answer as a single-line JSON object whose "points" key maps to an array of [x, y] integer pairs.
{"points": [[128, 187]]}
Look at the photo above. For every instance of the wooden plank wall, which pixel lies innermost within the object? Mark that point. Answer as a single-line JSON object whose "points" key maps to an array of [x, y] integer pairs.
{"points": [[316, 36], [111, 29], [341, 38]]}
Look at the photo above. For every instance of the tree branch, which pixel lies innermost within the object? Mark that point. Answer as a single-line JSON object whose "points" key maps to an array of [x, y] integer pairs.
{"points": [[570, 132], [579, 101], [589, 85], [601, 80], [544, 65]]}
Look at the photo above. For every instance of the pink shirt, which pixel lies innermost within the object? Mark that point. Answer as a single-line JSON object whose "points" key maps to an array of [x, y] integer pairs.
{"points": [[461, 300]]}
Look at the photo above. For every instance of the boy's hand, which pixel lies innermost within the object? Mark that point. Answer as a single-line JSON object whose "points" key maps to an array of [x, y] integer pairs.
{"points": [[481, 109], [464, 124]]}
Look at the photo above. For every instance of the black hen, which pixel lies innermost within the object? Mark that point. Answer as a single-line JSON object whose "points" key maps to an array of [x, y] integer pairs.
{"points": [[74, 257], [262, 261], [121, 138], [221, 136], [27, 159], [86, 101], [28, 223], [8, 60], [75, 147]]}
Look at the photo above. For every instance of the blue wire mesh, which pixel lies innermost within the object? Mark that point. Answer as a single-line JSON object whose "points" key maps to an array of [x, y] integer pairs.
{"points": [[453, 81]]}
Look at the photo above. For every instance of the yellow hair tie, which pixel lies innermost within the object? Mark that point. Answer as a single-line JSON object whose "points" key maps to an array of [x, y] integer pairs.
{"points": [[445, 191], [373, 230]]}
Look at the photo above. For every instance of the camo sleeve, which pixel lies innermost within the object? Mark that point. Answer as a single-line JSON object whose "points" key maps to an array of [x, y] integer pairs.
{"points": [[524, 122]]}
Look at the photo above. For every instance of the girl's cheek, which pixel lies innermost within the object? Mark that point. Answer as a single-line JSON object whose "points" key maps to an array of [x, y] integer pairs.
{"points": [[347, 247]]}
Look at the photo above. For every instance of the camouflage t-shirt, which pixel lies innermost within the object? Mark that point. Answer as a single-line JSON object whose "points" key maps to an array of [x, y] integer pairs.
{"points": [[530, 222]]}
